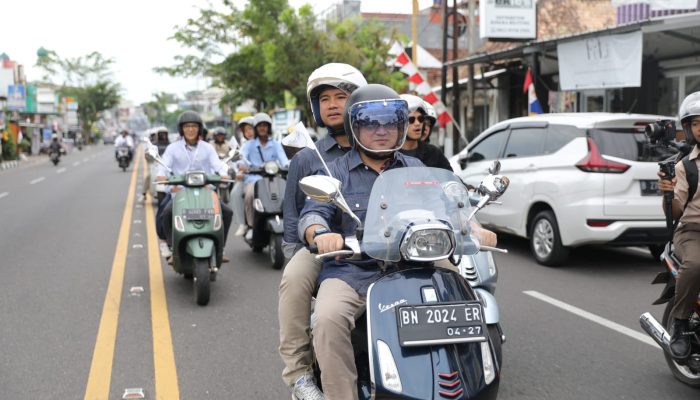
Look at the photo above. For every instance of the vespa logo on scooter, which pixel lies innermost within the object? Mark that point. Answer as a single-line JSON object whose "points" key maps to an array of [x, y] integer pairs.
{"points": [[388, 307]]}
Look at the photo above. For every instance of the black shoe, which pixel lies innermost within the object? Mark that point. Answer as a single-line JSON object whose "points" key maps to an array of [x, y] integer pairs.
{"points": [[680, 339]]}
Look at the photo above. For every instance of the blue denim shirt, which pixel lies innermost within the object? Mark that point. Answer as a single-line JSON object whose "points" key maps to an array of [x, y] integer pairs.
{"points": [[356, 180], [303, 164], [252, 150]]}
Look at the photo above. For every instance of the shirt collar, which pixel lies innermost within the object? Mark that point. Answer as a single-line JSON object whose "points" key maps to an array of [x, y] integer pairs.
{"points": [[355, 160], [327, 143], [695, 153]]}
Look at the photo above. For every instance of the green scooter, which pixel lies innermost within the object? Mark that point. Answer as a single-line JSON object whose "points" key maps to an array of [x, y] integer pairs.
{"points": [[198, 226]]}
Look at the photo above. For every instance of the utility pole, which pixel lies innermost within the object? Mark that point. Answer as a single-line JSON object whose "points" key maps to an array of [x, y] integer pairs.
{"points": [[443, 92], [414, 33], [470, 86], [455, 79]]}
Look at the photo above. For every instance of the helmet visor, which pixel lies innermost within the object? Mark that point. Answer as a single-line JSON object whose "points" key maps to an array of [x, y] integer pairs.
{"points": [[379, 126]]}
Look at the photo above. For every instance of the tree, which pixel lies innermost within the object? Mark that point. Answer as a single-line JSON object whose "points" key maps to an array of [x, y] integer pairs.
{"points": [[157, 110], [87, 79]]}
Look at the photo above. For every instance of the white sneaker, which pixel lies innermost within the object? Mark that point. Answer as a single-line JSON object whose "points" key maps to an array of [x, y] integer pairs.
{"points": [[141, 198], [165, 250], [305, 389], [241, 230]]}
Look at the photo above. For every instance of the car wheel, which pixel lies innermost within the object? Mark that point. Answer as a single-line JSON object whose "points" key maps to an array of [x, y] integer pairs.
{"points": [[545, 241]]}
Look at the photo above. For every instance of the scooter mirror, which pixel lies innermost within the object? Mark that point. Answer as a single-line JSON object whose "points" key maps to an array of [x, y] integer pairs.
{"points": [[495, 167], [493, 186], [153, 151], [320, 187]]}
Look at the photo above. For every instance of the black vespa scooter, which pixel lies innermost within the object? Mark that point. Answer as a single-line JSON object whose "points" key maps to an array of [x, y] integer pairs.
{"points": [[424, 334]]}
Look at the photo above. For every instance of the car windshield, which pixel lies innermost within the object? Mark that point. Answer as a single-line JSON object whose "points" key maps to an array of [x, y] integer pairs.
{"points": [[403, 197], [629, 144]]}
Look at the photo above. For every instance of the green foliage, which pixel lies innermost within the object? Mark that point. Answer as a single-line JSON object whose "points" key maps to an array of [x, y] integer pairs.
{"points": [[157, 110], [9, 148], [268, 48], [87, 79]]}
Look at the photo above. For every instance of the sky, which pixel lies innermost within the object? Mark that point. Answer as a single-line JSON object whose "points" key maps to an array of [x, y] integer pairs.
{"points": [[134, 33]]}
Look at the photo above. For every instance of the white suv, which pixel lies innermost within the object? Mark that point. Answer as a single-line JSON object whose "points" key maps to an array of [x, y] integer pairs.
{"points": [[575, 179]]}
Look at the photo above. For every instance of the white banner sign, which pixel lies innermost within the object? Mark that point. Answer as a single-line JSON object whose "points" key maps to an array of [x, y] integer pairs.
{"points": [[507, 19], [601, 62]]}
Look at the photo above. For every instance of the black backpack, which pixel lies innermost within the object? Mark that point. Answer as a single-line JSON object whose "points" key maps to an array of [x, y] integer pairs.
{"points": [[691, 175]]}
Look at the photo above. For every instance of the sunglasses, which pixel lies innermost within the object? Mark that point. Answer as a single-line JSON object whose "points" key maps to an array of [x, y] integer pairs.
{"points": [[413, 119]]}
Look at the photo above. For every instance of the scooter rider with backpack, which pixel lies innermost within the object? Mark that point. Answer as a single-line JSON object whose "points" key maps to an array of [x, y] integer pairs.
{"points": [[686, 239], [328, 88], [191, 153]]}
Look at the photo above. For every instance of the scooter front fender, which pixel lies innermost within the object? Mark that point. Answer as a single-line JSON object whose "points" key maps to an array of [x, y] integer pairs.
{"points": [[275, 224], [200, 247], [491, 314]]}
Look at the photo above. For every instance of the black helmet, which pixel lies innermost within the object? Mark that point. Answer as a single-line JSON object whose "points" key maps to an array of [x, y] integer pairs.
{"points": [[219, 131], [189, 117], [375, 106], [690, 107]]}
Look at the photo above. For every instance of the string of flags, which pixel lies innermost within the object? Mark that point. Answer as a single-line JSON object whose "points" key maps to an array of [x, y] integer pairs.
{"points": [[423, 88]]}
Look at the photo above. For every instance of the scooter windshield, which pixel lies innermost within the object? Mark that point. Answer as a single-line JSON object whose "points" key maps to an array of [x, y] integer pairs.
{"points": [[402, 198]]}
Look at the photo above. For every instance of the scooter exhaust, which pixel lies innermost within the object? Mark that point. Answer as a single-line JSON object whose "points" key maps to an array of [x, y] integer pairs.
{"points": [[657, 332]]}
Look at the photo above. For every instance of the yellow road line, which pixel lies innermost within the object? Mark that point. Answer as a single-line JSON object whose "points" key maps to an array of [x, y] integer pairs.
{"points": [[100, 375], [166, 384]]}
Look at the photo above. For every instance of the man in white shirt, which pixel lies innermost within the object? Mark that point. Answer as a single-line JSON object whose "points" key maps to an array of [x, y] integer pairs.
{"points": [[124, 140], [191, 154]]}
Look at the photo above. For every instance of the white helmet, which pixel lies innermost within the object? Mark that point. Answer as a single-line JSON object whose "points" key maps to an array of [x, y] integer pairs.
{"points": [[246, 120], [430, 112], [340, 76], [415, 103], [261, 117]]}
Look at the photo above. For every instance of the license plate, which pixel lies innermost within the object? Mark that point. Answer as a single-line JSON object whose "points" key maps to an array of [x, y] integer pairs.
{"points": [[650, 187], [198, 214], [427, 325]]}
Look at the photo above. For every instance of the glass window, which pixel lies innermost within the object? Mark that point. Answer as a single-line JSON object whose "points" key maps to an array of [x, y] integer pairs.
{"points": [[668, 96], [629, 144], [692, 84], [525, 142], [489, 148], [560, 135]]}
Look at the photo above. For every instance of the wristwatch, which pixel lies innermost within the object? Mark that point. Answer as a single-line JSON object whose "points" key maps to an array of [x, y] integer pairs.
{"points": [[320, 231]]}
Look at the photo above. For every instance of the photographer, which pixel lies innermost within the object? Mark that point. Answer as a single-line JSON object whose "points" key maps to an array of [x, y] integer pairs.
{"points": [[686, 210]]}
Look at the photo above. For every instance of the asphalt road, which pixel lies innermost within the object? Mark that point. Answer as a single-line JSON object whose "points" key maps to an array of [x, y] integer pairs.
{"points": [[85, 312]]}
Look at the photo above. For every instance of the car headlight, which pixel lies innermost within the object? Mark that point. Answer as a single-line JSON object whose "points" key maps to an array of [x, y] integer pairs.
{"points": [[195, 179], [428, 242], [271, 167]]}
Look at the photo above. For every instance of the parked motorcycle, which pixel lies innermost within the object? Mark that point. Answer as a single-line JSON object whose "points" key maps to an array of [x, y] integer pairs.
{"points": [[123, 157], [198, 227], [424, 334], [268, 226], [688, 370]]}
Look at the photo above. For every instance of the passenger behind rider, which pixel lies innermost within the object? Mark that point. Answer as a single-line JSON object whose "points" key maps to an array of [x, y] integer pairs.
{"points": [[162, 144], [686, 238], [254, 154], [220, 145], [328, 88], [430, 121], [246, 132], [190, 154], [124, 139], [152, 137], [414, 146]]}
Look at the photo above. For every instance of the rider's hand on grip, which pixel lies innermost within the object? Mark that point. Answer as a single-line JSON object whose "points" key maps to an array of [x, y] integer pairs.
{"points": [[666, 185], [328, 242]]}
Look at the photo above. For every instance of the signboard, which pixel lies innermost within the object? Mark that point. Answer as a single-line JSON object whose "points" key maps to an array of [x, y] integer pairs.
{"points": [[601, 62], [45, 100], [31, 98], [16, 97], [508, 19]]}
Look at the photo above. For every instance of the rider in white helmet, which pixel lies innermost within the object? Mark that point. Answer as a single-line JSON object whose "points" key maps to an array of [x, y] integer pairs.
{"points": [[328, 88], [430, 121]]}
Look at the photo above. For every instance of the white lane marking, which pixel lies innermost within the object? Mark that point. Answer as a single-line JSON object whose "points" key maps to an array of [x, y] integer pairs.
{"points": [[592, 317], [60, 170], [3, 194], [86, 159], [75, 164], [37, 180]]}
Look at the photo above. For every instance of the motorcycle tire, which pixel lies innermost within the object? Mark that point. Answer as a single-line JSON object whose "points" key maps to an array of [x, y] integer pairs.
{"points": [[202, 280], [680, 372], [545, 240], [276, 253], [496, 341]]}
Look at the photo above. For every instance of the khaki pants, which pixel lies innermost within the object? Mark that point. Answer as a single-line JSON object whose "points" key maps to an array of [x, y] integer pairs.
{"points": [[337, 307], [687, 243], [248, 201], [294, 311]]}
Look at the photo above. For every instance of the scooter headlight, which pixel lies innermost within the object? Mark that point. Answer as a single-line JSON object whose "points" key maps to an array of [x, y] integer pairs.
{"points": [[428, 242], [195, 179], [271, 167]]}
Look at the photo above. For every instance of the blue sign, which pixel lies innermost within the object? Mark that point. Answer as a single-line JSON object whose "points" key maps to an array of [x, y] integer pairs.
{"points": [[16, 97]]}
